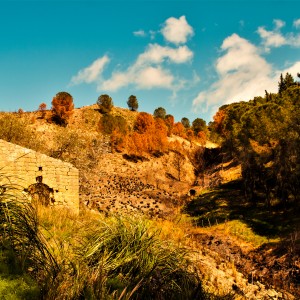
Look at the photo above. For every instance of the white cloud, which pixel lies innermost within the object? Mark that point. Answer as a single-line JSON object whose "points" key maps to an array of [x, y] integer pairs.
{"points": [[275, 38], [152, 68], [151, 77], [148, 70], [140, 33], [278, 24], [117, 81], [156, 54], [242, 74], [177, 31], [297, 23], [271, 38], [91, 73], [293, 70]]}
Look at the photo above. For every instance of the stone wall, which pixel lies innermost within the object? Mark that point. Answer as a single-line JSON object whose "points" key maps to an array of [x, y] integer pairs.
{"points": [[26, 167]]}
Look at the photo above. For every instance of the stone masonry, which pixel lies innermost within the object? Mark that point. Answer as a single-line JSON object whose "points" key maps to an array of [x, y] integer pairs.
{"points": [[25, 168]]}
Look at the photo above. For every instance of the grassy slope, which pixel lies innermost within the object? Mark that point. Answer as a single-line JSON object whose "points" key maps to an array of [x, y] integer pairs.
{"points": [[220, 211]]}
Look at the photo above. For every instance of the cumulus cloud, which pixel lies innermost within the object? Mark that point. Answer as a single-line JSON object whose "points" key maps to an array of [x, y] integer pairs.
{"points": [[271, 38], [91, 73], [177, 31], [148, 70], [297, 23], [275, 38], [117, 81], [242, 74], [152, 68], [278, 24], [142, 78], [157, 54], [293, 69], [140, 33], [150, 77]]}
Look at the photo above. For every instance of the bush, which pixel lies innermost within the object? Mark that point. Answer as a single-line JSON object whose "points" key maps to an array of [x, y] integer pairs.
{"points": [[105, 103], [108, 124], [62, 107], [159, 112], [16, 130], [198, 125], [144, 123]]}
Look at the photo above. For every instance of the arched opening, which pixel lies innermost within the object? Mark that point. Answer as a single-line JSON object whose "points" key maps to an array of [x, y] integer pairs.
{"points": [[41, 193]]}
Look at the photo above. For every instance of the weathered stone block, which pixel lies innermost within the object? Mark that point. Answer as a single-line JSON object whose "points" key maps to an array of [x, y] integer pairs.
{"points": [[23, 167]]}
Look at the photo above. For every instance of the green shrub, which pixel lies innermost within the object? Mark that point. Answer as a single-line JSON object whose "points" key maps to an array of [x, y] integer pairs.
{"points": [[109, 123], [105, 103]]}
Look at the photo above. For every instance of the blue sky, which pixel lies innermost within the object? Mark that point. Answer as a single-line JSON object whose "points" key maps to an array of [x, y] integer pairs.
{"points": [[189, 56]]}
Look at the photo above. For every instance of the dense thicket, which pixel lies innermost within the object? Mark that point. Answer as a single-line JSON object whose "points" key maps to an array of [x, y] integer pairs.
{"points": [[264, 135]]}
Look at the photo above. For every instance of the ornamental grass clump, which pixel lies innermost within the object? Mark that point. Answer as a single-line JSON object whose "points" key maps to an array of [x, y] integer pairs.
{"points": [[128, 255], [119, 257]]}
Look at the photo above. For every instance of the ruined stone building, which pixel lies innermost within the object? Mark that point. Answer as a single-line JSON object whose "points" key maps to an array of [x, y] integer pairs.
{"points": [[45, 179]]}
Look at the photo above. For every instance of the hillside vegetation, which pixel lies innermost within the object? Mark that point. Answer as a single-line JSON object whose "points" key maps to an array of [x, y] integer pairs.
{"points": [[168, 210]]}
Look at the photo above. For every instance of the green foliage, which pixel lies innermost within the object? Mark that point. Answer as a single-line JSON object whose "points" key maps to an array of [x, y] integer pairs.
{"points": [[109, 123], [285, 82], [186, 122], [160, 112], [133, 257], [198, 125], [14, 283], [264, 135], [133, 103], [105, 103]]}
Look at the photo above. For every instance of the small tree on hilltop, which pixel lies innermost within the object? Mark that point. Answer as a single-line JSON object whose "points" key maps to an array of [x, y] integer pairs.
{"points": [[62, 108], [160, 112], [186, 122], [42, 108], [105, 103], [133, 103], [198, 125]]}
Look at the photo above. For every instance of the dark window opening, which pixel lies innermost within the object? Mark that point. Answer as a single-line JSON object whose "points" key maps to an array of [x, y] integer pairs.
{"points": [[39, 179]]}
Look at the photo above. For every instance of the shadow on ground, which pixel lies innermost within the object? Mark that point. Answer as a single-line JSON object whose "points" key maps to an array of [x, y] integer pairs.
{"points": [[227, 202]]}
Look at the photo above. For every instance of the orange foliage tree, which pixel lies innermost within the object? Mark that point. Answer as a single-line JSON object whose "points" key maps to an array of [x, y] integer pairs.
{"points": [[42, 108], [190, 134], [179, 129], [218, 121], [62, 108], [160, 140], [201, 138], [169, 120], [144, 123], [118, 140], [149, 136]]}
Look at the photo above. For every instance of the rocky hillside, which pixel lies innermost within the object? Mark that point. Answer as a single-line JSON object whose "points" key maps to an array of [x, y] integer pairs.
{"points": [[158, 187]]}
